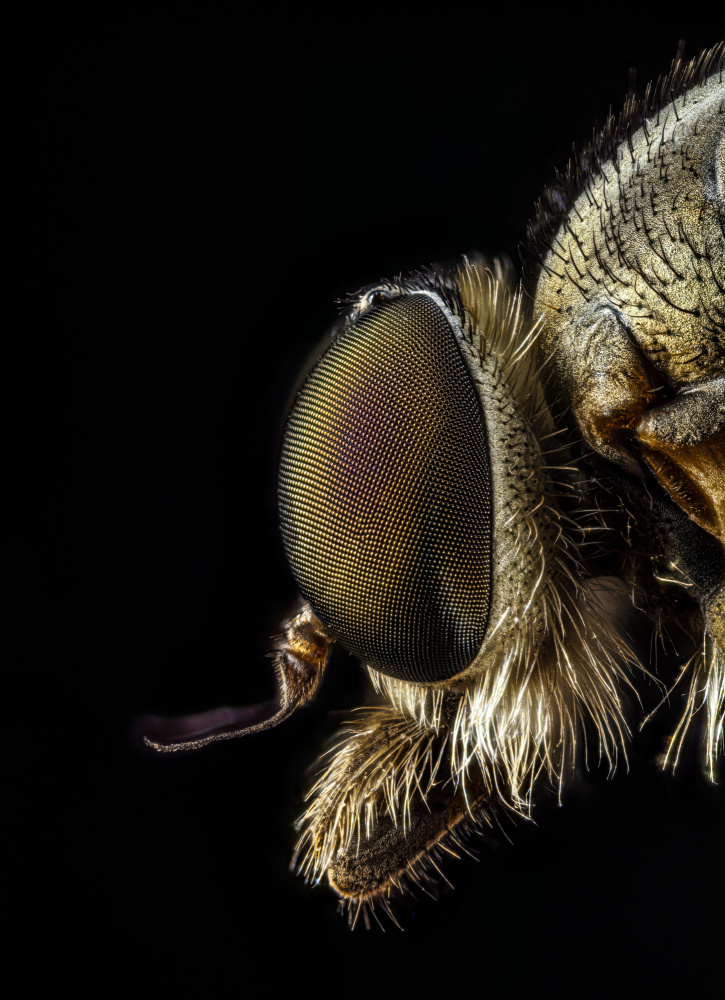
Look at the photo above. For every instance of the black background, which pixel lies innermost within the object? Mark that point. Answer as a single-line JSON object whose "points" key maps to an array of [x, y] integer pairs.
{"points": [[209, 183]]}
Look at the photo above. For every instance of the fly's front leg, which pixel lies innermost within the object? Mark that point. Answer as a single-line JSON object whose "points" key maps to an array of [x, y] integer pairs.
{"points": [[623, 415], [683, 442], [386, 809], [396, 858]]}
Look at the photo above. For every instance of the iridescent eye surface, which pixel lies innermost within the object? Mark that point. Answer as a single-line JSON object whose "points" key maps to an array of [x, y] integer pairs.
{"points": [[385, 493]]}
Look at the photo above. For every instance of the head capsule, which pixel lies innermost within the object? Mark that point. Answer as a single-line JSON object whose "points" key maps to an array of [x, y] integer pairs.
{"points": [[411, 496]]}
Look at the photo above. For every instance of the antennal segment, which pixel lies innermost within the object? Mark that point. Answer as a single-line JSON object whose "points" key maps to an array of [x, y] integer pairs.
{"points": [[299, 666]]}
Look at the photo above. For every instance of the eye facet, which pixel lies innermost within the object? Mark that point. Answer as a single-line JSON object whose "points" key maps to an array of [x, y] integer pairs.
{"points": [[385, 493]]}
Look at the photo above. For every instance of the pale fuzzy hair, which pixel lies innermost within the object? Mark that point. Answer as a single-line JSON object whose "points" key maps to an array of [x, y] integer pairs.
{"points": [[706, 692], [713, 697], [519, 723], [562, 664]]}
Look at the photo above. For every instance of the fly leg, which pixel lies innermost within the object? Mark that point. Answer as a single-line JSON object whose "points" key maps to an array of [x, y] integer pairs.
{"points": [[683, 442]]}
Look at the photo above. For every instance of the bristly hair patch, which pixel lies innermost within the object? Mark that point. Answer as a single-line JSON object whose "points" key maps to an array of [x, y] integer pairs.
{"points": [[559, 198]]}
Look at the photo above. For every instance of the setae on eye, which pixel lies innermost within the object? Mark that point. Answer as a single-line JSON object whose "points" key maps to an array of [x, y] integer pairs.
{"points": [[385, 492]]}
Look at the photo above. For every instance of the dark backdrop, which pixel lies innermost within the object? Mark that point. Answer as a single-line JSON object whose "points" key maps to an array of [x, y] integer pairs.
{"points": [[209, 184]]}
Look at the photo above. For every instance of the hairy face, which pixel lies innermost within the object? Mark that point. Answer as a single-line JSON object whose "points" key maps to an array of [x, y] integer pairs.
{"points": [[473, 482]]}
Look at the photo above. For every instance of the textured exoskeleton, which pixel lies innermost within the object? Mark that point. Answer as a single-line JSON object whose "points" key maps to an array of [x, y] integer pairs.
{"points": [[631, 288], [447, 462]]}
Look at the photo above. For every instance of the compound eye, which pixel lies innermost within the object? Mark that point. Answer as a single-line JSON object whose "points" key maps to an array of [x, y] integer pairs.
{"points": [[385, 493]]}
